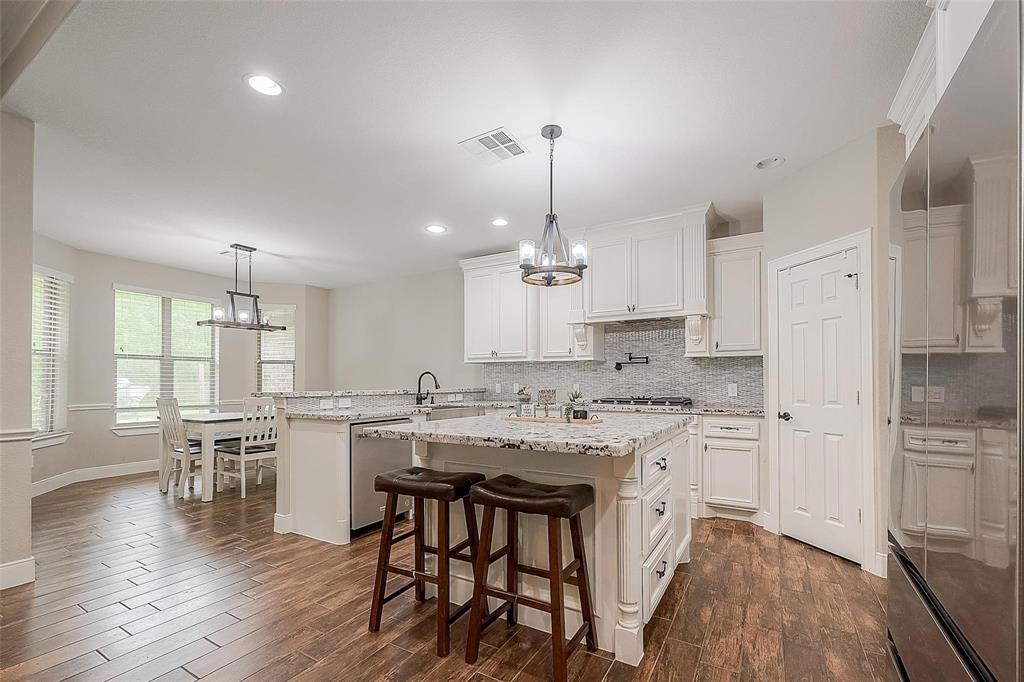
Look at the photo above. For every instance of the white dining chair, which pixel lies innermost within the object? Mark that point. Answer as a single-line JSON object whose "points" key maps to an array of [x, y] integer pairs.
{"points": [[258, 443], [186, 455]]}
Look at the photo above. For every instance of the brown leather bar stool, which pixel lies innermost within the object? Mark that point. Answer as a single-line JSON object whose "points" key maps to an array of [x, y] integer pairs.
{"points": [[556, 502], [424, 484]]}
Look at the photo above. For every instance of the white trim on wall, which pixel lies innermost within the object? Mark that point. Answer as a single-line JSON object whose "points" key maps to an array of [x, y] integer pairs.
{"points": [[19, 572], [88, 407], [47, 440], [16, 435], [861, 241], [164, 294], [91, 474], [50, 272], [141, 430]]}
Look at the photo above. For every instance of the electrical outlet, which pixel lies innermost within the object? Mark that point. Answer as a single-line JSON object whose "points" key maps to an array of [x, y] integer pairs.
{"points": [[458, 397], [936, 394], [515, 388], [734, 390], [452, 397], [497, 388], [917, 394], [344, 402], [326, 403], [575, 388]]}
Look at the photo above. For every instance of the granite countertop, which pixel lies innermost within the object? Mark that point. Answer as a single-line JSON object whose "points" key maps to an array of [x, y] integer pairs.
{"points": [[697, 409], [963, 421], [619, 435], [353, 393]]}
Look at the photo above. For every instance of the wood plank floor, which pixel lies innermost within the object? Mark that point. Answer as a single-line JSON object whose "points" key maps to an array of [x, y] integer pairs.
{"points": [[135, 585]]}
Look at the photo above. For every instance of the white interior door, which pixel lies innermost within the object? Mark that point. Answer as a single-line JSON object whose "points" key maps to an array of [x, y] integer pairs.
{"points": [[819, 384]]}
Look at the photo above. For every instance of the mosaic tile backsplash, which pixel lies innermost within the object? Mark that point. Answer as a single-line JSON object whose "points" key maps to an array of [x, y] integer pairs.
{"points": [[669, 373]]}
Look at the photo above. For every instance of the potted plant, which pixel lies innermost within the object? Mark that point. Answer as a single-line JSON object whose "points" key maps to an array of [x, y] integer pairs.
{"points": [[575, 407]]}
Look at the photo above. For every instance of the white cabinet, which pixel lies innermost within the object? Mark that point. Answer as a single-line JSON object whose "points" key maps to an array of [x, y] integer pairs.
{"points": [[736, 266], [731, 473], [508, 321], [938, 483], [932, 253], [496, 309], [649, 268]]}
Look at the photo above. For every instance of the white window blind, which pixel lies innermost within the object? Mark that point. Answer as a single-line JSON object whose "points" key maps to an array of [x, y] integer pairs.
{"points": [[49, 352], [275, 351], [160, 352]]}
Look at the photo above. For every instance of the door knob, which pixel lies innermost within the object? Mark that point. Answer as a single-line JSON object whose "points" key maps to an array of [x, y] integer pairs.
{"points": [[785, 416]]}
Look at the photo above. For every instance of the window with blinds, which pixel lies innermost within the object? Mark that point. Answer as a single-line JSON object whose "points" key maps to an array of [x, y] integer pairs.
{"points": [[49, 352], [160, 352], [275, 351]]}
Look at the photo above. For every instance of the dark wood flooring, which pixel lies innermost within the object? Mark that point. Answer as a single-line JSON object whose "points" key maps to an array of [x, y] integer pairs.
{"points": [[135, 585]]}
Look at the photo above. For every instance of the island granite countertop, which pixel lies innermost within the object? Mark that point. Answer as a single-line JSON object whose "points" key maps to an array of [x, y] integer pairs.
{"points": [[618, 435]]}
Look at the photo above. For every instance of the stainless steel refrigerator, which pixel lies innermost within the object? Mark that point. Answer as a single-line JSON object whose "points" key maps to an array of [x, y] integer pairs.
{"points": [[955, 268]]}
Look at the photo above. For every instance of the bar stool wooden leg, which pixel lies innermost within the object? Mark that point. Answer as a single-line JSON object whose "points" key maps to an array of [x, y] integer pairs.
{"points": [[471, 531], [583, 580], [419, 565], [511, 574], [557, 599], [476, 612], [443, 605], [380, 580]]}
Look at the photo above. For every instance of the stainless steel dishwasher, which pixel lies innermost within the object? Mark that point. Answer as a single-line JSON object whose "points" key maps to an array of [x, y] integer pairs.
{"points": [[371, 456]]}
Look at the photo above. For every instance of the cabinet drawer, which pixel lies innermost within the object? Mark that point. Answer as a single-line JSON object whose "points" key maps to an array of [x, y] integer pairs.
{"points": [[658, 570], [934, 440], [656, 514], [655, 465], [732, 428]]}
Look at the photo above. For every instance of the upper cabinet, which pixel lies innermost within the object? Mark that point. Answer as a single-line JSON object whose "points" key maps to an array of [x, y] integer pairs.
{"points": [[736, 270], [647, 269], [506, 320], [932, 255]]}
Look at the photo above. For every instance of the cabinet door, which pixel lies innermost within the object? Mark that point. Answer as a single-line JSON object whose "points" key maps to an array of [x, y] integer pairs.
{"points": [[608, 278], [731, 473], [657, 272], [944, 309], [511, 339], [736, 308], [556, 335], [915, 278], [480, 320]]}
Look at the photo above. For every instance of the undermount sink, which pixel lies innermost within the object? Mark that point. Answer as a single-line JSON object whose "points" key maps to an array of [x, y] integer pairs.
{"points": [[453, 412]]}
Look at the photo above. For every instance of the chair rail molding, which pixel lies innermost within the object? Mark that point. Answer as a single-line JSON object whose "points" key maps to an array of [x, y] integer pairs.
{"points": [[89, 407], [16, 435]]}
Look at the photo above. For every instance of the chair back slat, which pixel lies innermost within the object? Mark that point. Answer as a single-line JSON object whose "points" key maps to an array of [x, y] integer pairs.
{"points": [[259, 426], [170, 423]]}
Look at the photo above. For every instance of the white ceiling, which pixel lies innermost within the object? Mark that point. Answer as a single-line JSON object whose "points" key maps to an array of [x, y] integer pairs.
{"points": [[150, 145]]}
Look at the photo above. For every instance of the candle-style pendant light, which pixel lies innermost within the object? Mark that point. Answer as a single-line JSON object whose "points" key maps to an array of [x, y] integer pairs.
{"points": [[553, 264]]}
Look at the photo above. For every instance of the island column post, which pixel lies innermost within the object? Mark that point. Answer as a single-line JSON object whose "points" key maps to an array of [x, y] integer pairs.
{"points": [[629, 630]]}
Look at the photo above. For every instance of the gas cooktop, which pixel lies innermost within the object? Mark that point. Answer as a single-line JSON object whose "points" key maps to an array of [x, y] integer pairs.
{"points": [[677, 401]]}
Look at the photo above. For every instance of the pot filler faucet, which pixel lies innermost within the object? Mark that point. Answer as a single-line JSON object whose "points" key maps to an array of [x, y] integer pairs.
{"points": [[420, 395]]}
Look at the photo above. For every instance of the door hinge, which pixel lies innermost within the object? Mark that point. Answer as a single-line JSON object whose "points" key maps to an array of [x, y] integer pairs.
{"points": [[856, 278], [860, 515]]}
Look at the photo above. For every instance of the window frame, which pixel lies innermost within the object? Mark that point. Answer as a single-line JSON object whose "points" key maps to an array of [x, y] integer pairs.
{"points": [[57, 396], [167, 357], [260, 362]]}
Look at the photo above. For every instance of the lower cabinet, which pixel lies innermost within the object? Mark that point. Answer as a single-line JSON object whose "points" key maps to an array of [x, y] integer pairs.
{"points": [[731, 477]]}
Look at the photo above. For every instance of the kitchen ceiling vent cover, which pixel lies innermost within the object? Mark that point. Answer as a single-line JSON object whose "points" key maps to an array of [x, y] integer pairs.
{"points": [[495, 144]]}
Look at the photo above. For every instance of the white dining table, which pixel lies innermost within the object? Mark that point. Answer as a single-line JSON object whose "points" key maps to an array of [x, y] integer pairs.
{"points": [[207, 427]]}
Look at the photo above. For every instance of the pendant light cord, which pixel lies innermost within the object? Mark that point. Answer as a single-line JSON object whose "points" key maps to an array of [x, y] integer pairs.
{"points": [[551, 177]]}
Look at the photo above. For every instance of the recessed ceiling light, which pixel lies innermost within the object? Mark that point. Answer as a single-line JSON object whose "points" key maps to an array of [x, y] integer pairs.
{"points": [[499, 222], [265, 85], [435, 229], [770, 162]]}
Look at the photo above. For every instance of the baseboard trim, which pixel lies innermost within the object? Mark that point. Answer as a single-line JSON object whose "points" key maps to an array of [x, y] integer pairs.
{"points": [[879, 566], [283, 523], [19, 572], [91, 474]]}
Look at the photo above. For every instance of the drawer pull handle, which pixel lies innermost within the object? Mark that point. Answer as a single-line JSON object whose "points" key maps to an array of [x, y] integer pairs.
{"points": [[662, 463], [664, 569], [660, 511], [951, 442], [728, 428]]}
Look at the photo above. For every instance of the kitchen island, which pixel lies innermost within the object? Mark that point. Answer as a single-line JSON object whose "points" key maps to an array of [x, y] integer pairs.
{"points": [[635, 534]]}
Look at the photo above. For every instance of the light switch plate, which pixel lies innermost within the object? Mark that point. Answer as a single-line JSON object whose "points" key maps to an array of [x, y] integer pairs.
{"points": [[326, 403], [575, 388], [734, 390], [497, 388], [344, 402], [917, 394], [515, 388], [936, 394], [452, 397]]}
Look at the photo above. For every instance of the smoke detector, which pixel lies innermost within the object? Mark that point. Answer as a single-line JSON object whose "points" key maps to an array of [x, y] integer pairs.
{"points": [[498, 143]]}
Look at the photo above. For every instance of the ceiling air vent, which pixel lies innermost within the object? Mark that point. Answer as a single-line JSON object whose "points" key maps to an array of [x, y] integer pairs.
{"points": [[497, 143]]}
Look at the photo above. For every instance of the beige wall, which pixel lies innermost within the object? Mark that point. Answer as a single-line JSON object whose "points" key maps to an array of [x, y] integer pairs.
{"points": [[91, 343], [845, 192], [17, 141], [383, 334]]}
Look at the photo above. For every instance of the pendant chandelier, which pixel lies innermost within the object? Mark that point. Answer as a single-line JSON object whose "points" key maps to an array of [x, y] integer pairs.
{"points": [[552, 264], [246, 316]]}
